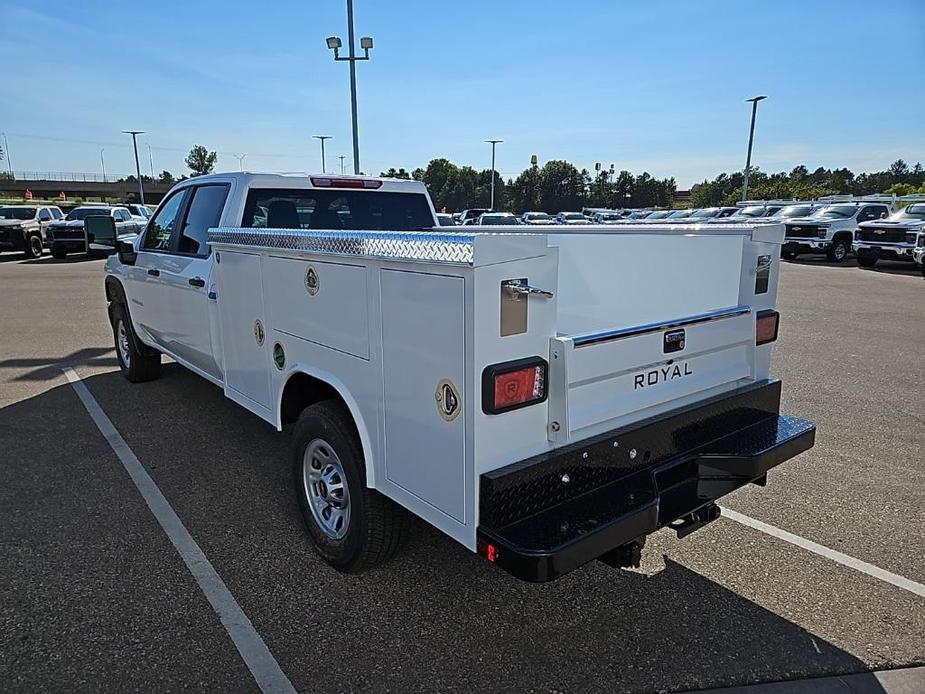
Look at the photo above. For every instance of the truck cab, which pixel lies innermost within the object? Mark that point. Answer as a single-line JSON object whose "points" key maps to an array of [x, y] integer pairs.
{"points": [[507, 387], [830, 230]]}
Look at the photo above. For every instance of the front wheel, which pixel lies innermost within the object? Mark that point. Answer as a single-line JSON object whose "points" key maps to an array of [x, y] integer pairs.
{"points": [[137, 362], [34, 246], [867, 259], [352, 527], [838, 251]]}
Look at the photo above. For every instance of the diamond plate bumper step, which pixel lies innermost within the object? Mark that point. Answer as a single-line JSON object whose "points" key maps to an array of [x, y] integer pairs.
{"points": [[542, 517]]}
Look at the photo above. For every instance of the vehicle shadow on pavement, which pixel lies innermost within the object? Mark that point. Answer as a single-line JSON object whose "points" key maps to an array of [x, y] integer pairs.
{"points": [[70, 259], [437, 617], [45, 369]]}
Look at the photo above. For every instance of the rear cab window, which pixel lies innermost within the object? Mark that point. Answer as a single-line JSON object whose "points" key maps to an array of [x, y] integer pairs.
{"points": [[293, 208]]}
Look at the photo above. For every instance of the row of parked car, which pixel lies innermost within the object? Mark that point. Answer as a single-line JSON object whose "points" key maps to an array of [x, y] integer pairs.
{"points": [[873, 229], [30, 229]]}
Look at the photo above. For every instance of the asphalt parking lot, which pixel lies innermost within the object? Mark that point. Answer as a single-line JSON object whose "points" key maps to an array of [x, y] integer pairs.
{"points": [[94, 596]]}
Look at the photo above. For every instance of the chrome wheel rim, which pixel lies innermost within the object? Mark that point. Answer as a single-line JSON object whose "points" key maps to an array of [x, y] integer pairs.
{"points": [[122, 343], [326, 488], [36, 243], [840, 251]]}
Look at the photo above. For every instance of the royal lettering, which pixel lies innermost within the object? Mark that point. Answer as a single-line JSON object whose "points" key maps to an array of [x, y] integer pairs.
{"points": [[661, 375]]}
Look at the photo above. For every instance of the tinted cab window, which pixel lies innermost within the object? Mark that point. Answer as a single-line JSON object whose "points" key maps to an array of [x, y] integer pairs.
{"points": [[205, 211], [161, 226]]}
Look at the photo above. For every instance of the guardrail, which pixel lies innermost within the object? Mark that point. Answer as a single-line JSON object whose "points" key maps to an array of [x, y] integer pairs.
{"points": [[70, 177]]}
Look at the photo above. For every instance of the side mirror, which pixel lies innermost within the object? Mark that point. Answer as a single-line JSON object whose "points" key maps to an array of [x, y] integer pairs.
{"points": [[127, 254], [883, 215]]}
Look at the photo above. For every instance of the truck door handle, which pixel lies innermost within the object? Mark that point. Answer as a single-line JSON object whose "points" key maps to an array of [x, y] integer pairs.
{"points": [[154, 272], [197, 281], [518, 289]]}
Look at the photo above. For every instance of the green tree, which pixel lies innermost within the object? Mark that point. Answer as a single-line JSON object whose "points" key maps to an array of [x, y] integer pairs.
{"points": [[899, 170], [395, 173], [901, 189], [166, 178], [201, 161], [561, 187]]}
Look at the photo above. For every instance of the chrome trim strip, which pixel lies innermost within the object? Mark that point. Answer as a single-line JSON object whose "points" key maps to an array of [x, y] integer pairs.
{"points": [[634, 330]]}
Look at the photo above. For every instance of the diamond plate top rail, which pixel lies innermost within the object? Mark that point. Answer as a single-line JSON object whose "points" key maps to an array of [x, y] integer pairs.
{"points": [[437, 247]]}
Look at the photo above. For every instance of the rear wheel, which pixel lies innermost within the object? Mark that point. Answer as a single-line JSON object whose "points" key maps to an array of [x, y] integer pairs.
{"points": [[34, 246], [867, 259], [838, 251], [352, 527], [137, 362]]}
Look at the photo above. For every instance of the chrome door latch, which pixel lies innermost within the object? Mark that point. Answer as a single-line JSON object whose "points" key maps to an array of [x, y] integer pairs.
{"points": [[519, 288]]}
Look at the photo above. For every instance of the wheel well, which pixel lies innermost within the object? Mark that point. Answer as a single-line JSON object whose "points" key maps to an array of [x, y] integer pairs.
{"points": [[843, 236], [114, 291], [302, 390]]}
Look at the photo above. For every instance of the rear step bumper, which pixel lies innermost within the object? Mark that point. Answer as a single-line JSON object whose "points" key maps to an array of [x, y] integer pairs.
{"points": [[547, 515]]}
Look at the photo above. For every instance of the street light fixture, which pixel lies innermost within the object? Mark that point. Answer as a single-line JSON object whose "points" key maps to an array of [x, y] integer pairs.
{"points": [[366, 42], [341, 157], [493, 143], [6, 153], [103, 164], [141, 190], [751, 137], [322, 138]]}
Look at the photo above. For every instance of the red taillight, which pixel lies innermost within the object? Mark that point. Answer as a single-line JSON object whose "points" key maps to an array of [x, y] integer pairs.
{"points": [[513, 384], [326, 182], [488, 550], [766, 325]]}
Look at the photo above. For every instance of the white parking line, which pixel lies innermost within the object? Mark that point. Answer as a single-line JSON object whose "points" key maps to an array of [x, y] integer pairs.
{"points": [[822, 551], [263, 666]]}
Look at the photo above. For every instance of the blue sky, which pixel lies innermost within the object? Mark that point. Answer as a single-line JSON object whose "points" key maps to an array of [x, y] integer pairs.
{"points": [[656, 86]]}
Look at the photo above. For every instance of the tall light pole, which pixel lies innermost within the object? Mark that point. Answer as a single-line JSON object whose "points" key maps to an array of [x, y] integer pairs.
{"points": [[493, 143], [341, 163], [141, 190], [334, 43], [6, 153], [240, 158], [751, 137], [150, 160], [323, 138], [103, 164]]}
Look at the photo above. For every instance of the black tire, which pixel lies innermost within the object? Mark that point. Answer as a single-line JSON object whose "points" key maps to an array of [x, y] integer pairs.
{"points": [[867, 259], [375, 526], [58, 255], [33, 246], [838, 251], [137, 361], [788, 255]]}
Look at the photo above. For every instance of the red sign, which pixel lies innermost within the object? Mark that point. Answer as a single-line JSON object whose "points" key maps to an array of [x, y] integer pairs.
{"points": [[62, 196], [28, 195]]}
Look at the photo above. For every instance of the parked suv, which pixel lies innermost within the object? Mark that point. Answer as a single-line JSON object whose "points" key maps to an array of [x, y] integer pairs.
{"points": [[23, 227], [830, 229], [67, 236], [894, 238]]}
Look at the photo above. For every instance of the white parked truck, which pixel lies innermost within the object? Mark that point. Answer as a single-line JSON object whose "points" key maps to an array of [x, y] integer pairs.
{"points": [[545, 396], [830, 229]]}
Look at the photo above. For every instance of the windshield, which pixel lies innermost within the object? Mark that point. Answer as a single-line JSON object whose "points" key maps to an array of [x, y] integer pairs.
{"points": [[796, 211], [706, 212], [680, 214], [495, 219], [658, 215], [572, 215], [916, 212], [533, 216], [639, 215], [445, 220], [82, 213], [20, 213], [836, 212], [751, 211]]}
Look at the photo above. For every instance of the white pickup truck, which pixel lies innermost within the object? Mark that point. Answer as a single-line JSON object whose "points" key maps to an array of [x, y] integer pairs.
{"points": [[545, 396]]}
